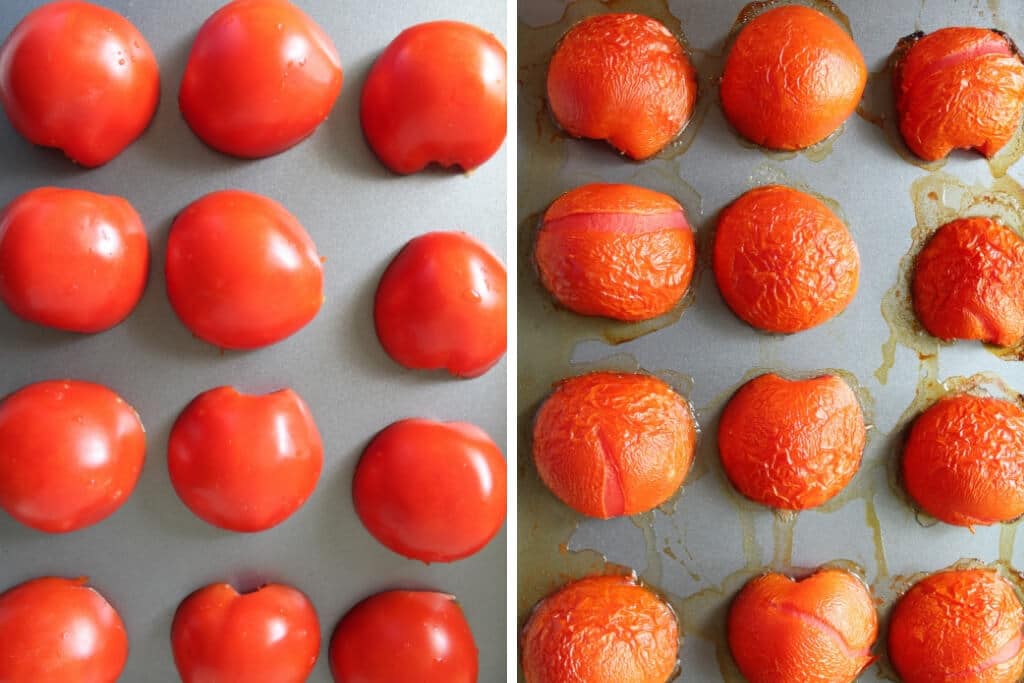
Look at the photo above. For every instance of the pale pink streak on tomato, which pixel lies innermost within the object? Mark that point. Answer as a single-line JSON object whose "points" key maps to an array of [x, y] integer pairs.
{"points": [[622, 223]]}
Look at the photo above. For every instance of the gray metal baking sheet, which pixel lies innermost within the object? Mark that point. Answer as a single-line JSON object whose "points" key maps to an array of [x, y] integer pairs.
{"points": [[153, 552], [702, 547]]}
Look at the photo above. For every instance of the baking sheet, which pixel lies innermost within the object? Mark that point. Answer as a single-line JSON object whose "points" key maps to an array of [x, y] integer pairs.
{"points": [[153, 552], [700, 548]]}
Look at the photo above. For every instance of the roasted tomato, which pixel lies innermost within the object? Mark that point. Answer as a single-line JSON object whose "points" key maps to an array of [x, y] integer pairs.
{"points": [[958, 88], [401, 636], [270, 635], [441, 303], [437, 94], [78, 77], [969, 282], [72, 259], [617, 251], [783, 260], [623, 78], [70, 454], [820, 628], [56, 630], [432, 491], [792, 444], [244, 462], [241, 271], [974, 614], [610, 444], [963, 461], [598, 630], [791, 78], [260, 78]]}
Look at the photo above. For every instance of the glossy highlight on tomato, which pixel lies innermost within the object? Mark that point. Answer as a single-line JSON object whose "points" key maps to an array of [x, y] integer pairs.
{"points": [[441, 304], [245, 462], [601, 629], [611, 444], [241, 270], [56, 630], [269, 635], [261, 76], [437, 94], [401, 636], [618, 251], [78, 77], [70, 454], [623, 78]]}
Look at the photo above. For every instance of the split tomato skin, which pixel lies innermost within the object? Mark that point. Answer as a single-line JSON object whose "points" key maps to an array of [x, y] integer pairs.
{"points": [[437, 94], [71, 259], [78, 77], [270, 635], [261, 76]]}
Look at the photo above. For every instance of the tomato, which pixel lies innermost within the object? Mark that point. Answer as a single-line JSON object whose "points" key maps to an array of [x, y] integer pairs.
{"points": [[432, 491], [241, 271], [78, 77], [55, 630], [402, 636], [244, 462], [441, 303], [436, 95], [260, 78], [70, 454], [72, 259], [270, 635]]}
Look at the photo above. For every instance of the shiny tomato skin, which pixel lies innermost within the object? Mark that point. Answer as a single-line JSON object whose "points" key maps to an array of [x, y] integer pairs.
{"points": [[271, 635], [70, 454], [441, 303], [404, 636], [71, 259], [78, 77], [244, 462], [432, 491], [436, 95], [55, 630], [261, 76], [241, 270]]}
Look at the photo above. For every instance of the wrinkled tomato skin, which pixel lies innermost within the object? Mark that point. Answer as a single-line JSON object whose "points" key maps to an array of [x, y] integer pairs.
{"points": [[78, 77], [437, 94], [617, 251], [72, 260], [245, 462], [70, 454], [623, 78], [271, 635], [442, 303], [402, 636], [56, 630], [261, 76], [612, 444], [431, 491], [241, 270], [958, 88], [821, 628]]}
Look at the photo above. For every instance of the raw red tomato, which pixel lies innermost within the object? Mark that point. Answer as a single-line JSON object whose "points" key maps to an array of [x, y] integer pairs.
{"points": [[403, 636], [432, 491], [441, 303], [244, 462], [55, 630], [436, 95], [72, 259], [241, 271], [80, 78], [260, 78], [270, 635], [70, 454]]}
